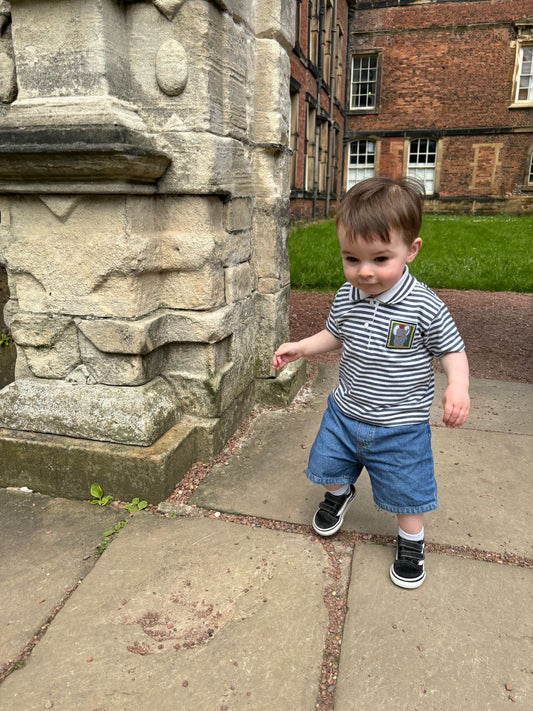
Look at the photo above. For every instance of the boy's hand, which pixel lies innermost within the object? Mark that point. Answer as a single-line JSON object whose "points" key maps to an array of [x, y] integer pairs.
{"points": [[286, 353], [456, 402], [321, 342]]}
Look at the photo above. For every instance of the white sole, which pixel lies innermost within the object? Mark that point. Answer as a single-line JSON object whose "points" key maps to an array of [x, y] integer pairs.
{"points": [[407, 584], [338, 526]]}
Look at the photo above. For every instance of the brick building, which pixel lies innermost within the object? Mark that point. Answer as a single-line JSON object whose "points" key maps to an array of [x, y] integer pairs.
{"points": [[438, 89], [443, 90], [318, 85]]}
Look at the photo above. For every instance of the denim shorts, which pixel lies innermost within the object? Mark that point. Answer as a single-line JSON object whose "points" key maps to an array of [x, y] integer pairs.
{"points": [[398, 460]]}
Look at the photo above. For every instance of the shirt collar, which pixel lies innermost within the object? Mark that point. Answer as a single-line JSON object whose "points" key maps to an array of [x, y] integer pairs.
{"points": [[393, 295]]}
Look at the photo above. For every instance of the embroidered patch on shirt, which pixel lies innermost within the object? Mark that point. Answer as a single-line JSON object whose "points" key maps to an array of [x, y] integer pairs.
{"points": [[400, 334]]}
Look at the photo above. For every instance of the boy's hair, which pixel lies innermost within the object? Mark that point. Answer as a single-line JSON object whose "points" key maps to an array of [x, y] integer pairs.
{"points": [[374, 207]]}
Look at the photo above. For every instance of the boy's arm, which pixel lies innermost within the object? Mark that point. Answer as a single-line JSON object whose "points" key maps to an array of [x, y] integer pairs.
{"points": [[456, 400], [321, 342]]}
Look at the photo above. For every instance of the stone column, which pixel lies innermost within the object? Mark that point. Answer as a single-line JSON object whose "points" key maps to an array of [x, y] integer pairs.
{"points": [[144, 212]]}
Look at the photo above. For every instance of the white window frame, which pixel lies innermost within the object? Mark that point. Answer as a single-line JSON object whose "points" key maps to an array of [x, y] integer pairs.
{"points": [[364, 82], [422, 162], [523, 67], [524, 80], [364, 151]]}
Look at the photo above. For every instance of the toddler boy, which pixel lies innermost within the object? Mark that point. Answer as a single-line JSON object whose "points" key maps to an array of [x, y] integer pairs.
{"points": [[390, 326]]}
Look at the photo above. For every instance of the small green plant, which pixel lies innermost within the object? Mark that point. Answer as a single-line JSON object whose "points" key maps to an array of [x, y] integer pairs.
{"points": [[101, 500], [5, 340], [98, 496], [108, 535], [136, 505]]}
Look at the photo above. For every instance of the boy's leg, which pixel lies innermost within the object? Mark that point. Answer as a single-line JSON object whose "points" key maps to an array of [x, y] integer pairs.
{"points": [[413, 524], [333, 464], [407, 571]]}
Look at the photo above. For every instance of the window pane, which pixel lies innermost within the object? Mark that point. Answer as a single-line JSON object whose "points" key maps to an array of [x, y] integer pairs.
{"points": [[422, 159], [361, 161], [524, 91], [364, 81]]}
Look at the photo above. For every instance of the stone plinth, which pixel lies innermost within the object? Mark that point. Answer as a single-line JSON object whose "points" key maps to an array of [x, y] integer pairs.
{"points": [[144, 214]]}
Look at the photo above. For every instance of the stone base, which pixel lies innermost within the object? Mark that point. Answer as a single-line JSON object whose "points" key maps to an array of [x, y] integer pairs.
{"points": [[66, 467], [280, 391]]}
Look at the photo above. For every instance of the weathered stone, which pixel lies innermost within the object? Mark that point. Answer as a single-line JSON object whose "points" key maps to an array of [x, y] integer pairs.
{"points": [[238, 214], [282, 389], [270, 257], [171, 68], [270, 171], [8, 78], [144, 226], [276, 20], [112, 414], [272, 328], [169, 8], [271, 114], [66, 466], [38, 330], [145, 335], [239, 282], [203, 163], [81, 56], [112, 368]]}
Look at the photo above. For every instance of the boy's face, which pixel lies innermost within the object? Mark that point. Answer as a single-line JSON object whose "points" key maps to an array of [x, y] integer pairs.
{"points": [[375, 267]]}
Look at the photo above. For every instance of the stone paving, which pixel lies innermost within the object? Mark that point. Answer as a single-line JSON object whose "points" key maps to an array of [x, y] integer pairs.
{"points": [[238, 605]]}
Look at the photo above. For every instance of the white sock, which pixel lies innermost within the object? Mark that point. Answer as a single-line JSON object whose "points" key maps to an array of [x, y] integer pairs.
{"points": [[411, 536], [342, 491]]}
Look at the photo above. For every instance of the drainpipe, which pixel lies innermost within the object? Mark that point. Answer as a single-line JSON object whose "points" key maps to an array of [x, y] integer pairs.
{"points": [[318, 108], [332, 78]]}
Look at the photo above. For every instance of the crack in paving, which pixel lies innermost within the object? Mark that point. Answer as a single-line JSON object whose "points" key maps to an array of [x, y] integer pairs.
{"points": [[336, 592]]}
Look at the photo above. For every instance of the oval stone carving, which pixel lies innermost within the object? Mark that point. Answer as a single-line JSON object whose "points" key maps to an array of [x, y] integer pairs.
{"points": [[171, 68]]}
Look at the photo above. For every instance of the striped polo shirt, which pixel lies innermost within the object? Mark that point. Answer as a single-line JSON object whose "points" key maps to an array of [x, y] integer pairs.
{"points": [[388, 343]]}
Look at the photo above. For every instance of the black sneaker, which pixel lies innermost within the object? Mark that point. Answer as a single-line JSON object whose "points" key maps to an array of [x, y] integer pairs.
{"points": [[407, 571], [330, 514]]}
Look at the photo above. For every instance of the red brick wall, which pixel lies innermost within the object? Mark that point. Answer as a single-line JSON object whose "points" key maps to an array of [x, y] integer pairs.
{"points": [[447, 70], [303, 72]]}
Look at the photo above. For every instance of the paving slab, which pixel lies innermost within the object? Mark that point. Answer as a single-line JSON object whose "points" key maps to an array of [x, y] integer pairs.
{"points": [[185, 614], [481, 474], [495, 406], [46, 547], [454, 643]]}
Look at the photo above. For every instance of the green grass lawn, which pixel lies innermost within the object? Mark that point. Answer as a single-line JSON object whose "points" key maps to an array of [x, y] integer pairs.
{"points": [[489, 253]]}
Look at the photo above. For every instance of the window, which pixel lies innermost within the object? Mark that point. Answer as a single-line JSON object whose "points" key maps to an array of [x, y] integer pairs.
{"points": [[422, 162], [298, 25], [338, 63], [312, 33], [323, 156], [530, 178], [524, 86], [523, 71], [361, 161], [328, 42], [295, 97], [310, 143], [364, 82]]}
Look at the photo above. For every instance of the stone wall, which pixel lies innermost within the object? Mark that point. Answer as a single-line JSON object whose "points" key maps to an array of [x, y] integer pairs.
{"points": [[145, 205]]}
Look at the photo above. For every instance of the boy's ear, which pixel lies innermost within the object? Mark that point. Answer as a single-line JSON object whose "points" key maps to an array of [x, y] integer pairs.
{"points": [[413, 249]]}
